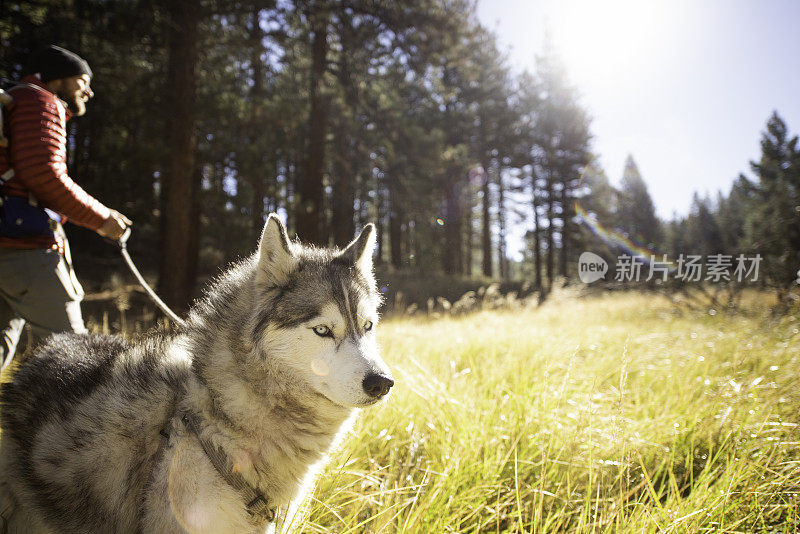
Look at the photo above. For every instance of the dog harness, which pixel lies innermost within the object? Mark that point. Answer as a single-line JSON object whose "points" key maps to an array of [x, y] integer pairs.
{"points": [[257, 505]]}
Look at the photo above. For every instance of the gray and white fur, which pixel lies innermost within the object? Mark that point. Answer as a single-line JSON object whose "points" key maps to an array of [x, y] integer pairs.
{"points": [[273, 363]]}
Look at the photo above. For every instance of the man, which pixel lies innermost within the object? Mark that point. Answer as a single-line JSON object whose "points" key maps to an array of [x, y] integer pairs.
{"points": [[37, 282]]}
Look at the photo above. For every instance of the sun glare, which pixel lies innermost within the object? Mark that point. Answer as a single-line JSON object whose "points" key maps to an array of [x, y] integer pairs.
{"points": [[606, 38]]}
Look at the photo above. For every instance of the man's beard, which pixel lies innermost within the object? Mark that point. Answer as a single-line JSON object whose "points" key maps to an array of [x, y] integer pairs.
{"points": [[76, 105]]}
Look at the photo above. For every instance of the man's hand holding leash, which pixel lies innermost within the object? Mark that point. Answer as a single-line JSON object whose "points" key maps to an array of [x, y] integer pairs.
{"points": [[115, 226]]}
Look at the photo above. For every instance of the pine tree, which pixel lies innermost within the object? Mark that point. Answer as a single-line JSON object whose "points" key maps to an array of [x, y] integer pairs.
{"points": [[773, 224], [637, 215], [703, 231], [731, 214], [559, 151]]}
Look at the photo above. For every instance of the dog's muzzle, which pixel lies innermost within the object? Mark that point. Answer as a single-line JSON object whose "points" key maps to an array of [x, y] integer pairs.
{"points": [[376, 386]]}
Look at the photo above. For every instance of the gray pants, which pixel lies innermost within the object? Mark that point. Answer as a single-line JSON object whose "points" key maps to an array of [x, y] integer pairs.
{"points": [[38, 287]]}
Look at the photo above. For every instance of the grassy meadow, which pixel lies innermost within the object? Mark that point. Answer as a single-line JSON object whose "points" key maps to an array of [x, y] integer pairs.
{"points": [[613, 413]]}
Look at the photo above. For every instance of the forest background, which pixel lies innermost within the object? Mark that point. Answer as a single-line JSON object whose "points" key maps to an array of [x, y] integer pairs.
{"points": [[209, 115]]}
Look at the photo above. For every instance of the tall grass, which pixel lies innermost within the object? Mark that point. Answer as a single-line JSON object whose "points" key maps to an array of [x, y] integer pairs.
{"points": [[608, 414]]}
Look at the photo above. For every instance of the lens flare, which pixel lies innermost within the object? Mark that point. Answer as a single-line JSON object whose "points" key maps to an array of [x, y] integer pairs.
{"points": [[319, 367], [614, 239], [611, 237]]}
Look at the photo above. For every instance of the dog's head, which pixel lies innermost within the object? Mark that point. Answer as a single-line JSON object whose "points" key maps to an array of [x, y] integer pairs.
{"points": [[319, 315]]}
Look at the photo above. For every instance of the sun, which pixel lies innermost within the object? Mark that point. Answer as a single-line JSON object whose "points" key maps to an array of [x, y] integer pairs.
{"points": [[607, 38]]}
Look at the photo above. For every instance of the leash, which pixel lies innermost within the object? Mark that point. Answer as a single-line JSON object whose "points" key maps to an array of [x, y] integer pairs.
{"points": [[123, 245], [256, 504]]}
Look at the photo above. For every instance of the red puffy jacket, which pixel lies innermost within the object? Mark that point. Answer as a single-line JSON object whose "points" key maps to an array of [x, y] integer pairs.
{"points": [[36, 125]]}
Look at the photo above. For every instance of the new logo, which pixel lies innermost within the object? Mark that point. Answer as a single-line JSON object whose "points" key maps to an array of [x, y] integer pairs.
{"points": [[591, 267]]}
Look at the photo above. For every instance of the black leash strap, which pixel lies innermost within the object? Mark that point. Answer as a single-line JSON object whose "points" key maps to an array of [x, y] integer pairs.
{"points": [[257, 505]]}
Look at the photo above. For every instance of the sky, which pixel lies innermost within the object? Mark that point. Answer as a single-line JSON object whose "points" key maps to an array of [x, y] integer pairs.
{"points": [[684, 86]]}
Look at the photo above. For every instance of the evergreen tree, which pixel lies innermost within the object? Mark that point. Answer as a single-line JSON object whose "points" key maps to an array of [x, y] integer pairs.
{"points": [[559, 151], [599, 198], [637, 215], [731, 214], [487, 92], [703, 231], [676, 237], [773, 224]]}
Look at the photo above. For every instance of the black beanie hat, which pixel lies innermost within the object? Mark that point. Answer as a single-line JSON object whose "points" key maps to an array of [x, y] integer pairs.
{"points": [[54, 62]]}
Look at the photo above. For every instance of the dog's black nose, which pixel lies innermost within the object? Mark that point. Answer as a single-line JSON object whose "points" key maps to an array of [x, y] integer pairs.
{"points": [[377, 385]]}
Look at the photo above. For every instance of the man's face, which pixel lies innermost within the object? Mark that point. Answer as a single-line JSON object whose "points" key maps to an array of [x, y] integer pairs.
{"points": [[75, 91]]}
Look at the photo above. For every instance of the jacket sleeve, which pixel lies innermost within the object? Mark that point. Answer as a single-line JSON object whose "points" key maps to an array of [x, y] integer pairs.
{"points": [[37, 128]]}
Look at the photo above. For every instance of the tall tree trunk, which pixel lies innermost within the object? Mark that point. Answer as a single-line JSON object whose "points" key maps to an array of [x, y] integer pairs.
{"points": [[308, 206], [396, 215], [550, 222], [453, 251], [344, 186], [469, 239], [292, 180], [565, 209], [179, 222], [256, 174], [412, 243], [486, 236], [407, 241], [501, 219], [344, 192], [379, 221], [537, 244], [257, 209]]}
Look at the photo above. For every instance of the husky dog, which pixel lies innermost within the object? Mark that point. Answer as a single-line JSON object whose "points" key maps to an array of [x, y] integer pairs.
{"points": [[216, 430]]}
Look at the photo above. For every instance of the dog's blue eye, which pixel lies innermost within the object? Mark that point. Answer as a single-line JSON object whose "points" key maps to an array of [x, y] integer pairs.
{"points": [[367, 326], [322, 331]]}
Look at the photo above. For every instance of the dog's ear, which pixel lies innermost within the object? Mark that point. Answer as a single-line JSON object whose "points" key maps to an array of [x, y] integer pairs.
{"points": [[360, 250], [276, 258]]}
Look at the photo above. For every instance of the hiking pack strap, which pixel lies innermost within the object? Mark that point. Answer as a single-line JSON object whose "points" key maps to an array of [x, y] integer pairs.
{"points": [[6, 176], [257, 505], [5, 99]]}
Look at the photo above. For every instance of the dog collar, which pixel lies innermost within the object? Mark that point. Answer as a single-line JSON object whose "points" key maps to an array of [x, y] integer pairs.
{"points": [[257, 505]]}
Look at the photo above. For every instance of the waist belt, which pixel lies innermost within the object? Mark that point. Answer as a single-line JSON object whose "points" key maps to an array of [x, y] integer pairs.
{"points": [[22, 217]]}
